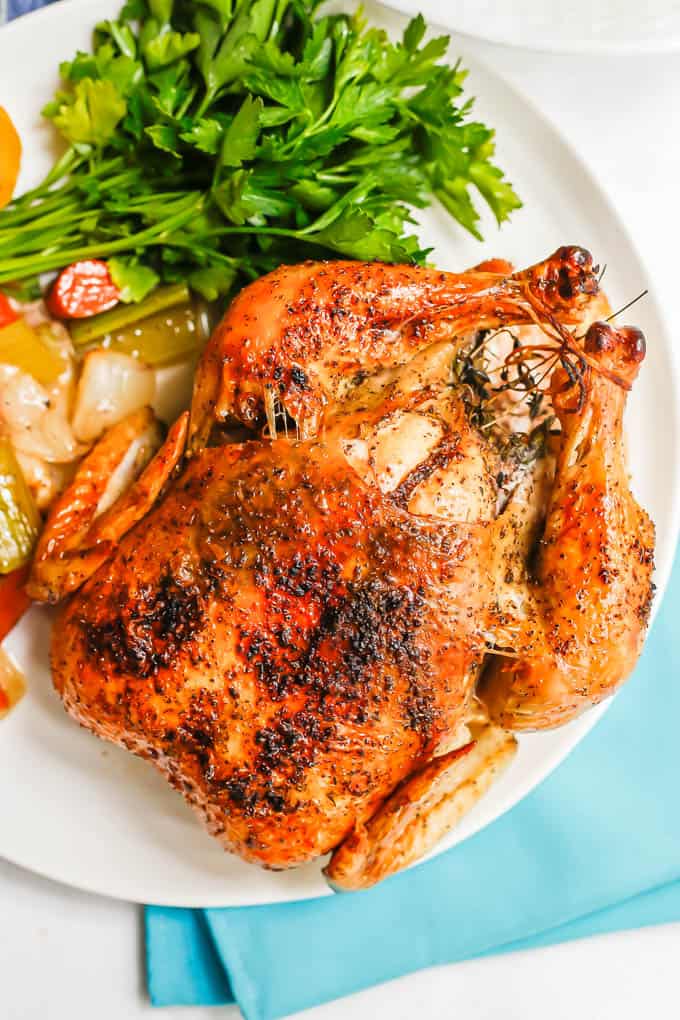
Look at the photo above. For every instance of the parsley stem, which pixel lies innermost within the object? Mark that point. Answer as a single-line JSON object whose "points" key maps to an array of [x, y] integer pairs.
{"points": [[58, 213], [19, 268]]}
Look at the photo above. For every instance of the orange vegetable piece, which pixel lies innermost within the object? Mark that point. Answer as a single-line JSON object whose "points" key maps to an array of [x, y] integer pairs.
{"points": [[7, 313], [13, 599], [10, 156]]}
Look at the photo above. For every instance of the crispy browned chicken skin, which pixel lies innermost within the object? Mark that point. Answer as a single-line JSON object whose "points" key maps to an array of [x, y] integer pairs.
{"points": [[294, 634]]}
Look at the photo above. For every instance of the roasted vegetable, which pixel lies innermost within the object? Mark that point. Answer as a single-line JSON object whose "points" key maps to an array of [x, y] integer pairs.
{"points": [[10, 156], [112, 490], [112, 323], [13, 599], [31, 351], [111, 386], [19, 519], [162, 339], [12, 684], [7, 313]]}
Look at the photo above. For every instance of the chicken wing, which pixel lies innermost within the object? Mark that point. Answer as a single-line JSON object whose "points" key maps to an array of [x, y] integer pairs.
{"points": [[582, 613], [306, 334]]}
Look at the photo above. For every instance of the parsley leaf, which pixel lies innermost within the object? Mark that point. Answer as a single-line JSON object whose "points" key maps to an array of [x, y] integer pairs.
{"points": [[204, 134], [240, 140], [133, 280], [213, 281], [167, 48], [92, 114], [164, 137]]}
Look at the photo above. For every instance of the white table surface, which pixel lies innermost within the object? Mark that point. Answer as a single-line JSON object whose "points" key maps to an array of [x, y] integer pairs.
{"points": [[65, 955]]}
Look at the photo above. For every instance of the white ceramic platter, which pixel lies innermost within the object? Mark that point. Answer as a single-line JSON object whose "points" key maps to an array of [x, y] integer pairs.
{"points": [[87, 814], [559, 26]]}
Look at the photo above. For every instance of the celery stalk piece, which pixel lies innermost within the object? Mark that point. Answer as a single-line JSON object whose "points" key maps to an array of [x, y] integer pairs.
{"points": [[24, 347], [161, 339], [84, 331], [19, 518]]}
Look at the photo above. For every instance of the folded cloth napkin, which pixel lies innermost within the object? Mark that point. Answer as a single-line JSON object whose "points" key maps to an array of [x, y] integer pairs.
{"points": [[595, 848]]}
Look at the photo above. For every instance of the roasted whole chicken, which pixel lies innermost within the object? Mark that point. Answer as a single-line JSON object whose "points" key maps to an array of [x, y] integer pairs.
{"points": [[380, 553]]}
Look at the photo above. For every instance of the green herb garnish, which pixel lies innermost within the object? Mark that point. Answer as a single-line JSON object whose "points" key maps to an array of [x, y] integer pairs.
{"points": [[212, 140]]}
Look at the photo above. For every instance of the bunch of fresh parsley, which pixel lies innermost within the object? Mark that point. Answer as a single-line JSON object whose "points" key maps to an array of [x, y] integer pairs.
{"points": [[212, 140]]}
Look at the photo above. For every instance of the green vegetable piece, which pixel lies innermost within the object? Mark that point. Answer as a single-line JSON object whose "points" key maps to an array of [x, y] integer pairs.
{"points": [[161, 10], [497, 192], [357, 236], [232, 200], [171, 88], [124, 38], [456, 200], [164, 137], [162, 339], [120, 33], [313, 195], [209, 29], [230, 60], [133, 280], [84, 331], [240, 140], [83, 65], [165, 49], [123, 72], [19, 518], [260, 18], [225, 8], [205, 135], [93, 114], [213, 282], [133, 10], [318, 52], [413, 33]]}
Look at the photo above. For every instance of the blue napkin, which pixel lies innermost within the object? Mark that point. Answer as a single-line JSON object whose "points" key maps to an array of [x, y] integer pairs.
{"points": [[595, 848], [17, 7]]}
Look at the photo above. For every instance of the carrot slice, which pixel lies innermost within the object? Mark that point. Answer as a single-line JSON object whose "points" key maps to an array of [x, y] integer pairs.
{"points": [[13, 598], [83, 289], [7, 313], [10, 156]]}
